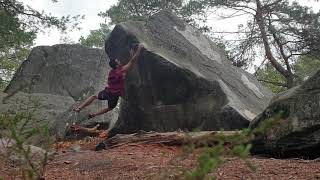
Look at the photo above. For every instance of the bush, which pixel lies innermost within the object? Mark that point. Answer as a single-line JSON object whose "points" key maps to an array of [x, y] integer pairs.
{"points": [[20, 128], [237, 145]]}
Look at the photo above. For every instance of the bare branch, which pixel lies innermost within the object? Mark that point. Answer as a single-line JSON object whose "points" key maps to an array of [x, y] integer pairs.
{"points": [[6, 6], [274, 83], [230, 32], [298, 54], [260, 66], [269, 55], [242, 9], [274, 3], [233, 15], [279, 44]]}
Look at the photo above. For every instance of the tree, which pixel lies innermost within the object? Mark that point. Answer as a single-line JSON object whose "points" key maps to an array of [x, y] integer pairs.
{"points": [[126, 10], [10, 60], [97, 37], [283, 31], [18, 29], [14, 41], [304, 68], [271, 78], [193, 13]]}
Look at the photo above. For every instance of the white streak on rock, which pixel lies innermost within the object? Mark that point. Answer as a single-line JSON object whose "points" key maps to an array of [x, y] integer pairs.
{"points": [[252, 86], [236, 104]]}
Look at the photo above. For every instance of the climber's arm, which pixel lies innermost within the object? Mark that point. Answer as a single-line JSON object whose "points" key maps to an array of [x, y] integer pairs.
{"points": [[133, 59]]}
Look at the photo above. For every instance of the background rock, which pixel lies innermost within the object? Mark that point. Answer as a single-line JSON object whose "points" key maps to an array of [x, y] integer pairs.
{"points": [[298, 133], [6, 150], [58, 78], [182, 80]]}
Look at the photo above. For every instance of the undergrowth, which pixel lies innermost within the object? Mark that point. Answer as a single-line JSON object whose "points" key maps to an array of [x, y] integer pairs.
{"points": [[17, 130], [236, 145]]}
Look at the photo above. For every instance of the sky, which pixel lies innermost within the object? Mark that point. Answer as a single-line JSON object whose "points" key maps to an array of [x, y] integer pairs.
{"points": [[231, 25], [91, 9], [92, 21], [70, 7]]}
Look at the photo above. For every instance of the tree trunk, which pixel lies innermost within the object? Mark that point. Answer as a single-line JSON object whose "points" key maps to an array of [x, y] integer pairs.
{"points": [[260, 21], [290, 81]]}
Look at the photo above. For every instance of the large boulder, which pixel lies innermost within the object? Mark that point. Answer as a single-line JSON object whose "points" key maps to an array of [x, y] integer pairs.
{"points": [[297, 133], [57, 78], [182, 80]]}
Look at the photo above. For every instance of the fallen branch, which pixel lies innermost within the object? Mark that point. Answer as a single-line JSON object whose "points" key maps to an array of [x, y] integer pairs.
{"points": [[169, 138]]}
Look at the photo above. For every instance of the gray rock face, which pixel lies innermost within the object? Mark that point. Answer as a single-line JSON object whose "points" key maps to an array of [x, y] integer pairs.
{"points": [[59, 77], [65, 70], [182, 80], [6, 150], [298, 134]]}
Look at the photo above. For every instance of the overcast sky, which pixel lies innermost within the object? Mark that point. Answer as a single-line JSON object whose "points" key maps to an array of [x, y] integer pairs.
{"points": [[70, 7], [91, 9]]}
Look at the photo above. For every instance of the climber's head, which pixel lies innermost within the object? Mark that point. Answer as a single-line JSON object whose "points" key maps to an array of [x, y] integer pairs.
{"points": [[114, 63]]}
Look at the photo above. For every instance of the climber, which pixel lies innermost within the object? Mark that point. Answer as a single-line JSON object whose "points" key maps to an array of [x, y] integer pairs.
{"points": [[115, 86]]}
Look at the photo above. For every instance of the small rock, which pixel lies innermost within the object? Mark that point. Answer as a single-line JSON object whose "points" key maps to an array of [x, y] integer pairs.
{"points": [[75, 148], [67, 162]]}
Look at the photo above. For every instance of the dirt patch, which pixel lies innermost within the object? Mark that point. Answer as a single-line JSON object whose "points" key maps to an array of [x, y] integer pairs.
{"points": [[153, 161], [126, 162]]}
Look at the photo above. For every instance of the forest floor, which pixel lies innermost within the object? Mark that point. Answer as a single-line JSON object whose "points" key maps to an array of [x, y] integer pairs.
{"points": [[77, 160]]}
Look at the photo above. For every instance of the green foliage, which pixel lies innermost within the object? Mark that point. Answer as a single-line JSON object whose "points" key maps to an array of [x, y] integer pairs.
{"points": [[97, 37], [15, 42], [212, 157], [10, 60], [21, 128], [3, 84], [18, 29], [126, 10], [305, 67], [12, 33], [285, 30], [29, 20], [266, 125], [137, 10], [282, 30], [271, 78], [236, 145]]}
